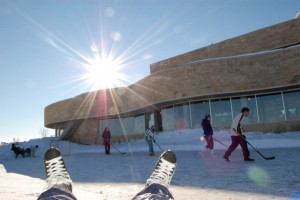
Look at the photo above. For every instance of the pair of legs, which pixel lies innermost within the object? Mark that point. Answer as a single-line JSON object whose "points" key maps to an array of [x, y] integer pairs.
{"points": [[107, 148], [210, 142], [235, 141], [150, 144], [60, 185]]}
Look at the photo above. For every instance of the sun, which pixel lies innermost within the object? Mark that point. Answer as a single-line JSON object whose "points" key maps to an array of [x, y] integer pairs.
{"points": [[103, 72]]}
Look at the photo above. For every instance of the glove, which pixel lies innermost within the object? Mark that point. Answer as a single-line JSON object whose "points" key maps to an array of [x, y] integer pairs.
{"points": [[154, 141]]}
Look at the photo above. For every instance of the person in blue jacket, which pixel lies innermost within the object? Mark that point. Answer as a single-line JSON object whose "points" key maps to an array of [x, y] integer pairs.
{"points": [[208, 133]]}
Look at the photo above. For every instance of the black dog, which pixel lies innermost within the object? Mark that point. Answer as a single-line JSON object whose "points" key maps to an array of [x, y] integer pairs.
{"points": [[17, 150]]}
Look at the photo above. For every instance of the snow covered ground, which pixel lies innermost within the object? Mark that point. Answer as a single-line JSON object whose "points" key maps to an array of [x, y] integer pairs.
{"points": [[121, 176]]}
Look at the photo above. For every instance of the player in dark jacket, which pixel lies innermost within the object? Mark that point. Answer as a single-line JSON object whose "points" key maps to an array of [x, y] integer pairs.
{"points": [[106, 140], [208, 133]]}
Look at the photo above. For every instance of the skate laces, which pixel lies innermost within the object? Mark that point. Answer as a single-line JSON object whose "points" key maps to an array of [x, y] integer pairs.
{"points": [[57, 175], [163, 173]]}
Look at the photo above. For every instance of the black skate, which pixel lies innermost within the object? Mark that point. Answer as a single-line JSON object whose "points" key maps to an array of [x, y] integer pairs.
{"points": [[56, 172], [164, 169], [248, 159]]}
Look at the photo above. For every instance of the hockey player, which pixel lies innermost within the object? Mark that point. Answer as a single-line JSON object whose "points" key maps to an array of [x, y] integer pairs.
{"points": [[150, 138], [237, 137], [208, 134], [106, 140]]}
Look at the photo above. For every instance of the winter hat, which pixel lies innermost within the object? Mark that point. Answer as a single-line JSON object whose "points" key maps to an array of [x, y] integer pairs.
{"points": [[207, 116], [245, 109]]}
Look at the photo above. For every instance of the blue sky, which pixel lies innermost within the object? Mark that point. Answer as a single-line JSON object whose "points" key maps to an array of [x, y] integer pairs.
{"points": [[49, 49]]}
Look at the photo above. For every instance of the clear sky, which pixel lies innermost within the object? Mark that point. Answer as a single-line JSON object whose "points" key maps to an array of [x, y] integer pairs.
{"points": [[52, 50]]}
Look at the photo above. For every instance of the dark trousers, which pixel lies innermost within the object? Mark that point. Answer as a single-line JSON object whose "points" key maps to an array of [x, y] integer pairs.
{"points": [[107, 147], [56, 194], [210, 141], [235, 141], [154, 191]]}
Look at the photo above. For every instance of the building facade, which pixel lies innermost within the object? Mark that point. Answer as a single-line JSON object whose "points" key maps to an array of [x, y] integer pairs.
{"points": [[260, 70]]}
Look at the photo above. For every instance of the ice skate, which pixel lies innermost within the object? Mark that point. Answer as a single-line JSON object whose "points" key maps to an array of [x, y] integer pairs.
{"points": [[56, 173], [212, 153], [226, 159], [249, 159], [164, 169], [204, 151]]}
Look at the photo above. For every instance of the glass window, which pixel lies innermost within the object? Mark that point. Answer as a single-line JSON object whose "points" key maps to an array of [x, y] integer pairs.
{"points": [[198, 111], [239, 103], [221, 112], [116, 126], [102, 124], [182, 116], [149, 120], [270, 108], [139, 124], [168, 122], [292, 105], [128, 123]]}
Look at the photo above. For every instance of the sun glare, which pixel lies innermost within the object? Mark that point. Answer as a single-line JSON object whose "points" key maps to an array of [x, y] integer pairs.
{"points": [[103, 73]]}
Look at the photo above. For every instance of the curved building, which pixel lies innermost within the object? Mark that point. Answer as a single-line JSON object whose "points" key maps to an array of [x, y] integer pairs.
{"points": [[260, 70]]}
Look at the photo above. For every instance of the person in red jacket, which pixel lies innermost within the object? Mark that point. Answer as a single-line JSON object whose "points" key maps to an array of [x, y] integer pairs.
{"points": [[106, 140]]}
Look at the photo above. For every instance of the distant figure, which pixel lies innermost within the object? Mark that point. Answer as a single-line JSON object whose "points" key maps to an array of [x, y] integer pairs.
{"points": [[17, 150], [208, 133], [150, 138], [33, 150], [237, 137], [106, 140]]}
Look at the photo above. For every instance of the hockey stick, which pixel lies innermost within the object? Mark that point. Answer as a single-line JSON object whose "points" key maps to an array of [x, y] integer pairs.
{"points": [[117, 149], [221, 142], [266, 158], [158, 146]]}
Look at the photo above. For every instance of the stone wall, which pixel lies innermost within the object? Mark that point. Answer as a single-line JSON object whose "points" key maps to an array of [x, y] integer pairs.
{"points": [[268, 38]]}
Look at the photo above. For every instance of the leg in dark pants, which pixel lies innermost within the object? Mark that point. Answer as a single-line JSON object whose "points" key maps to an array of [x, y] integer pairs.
{"points": [[107, 147], [244, 146], [154, 191], [234, 143]]}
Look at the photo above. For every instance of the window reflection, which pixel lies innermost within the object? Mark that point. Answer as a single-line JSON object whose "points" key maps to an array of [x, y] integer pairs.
{"points": [[292, 105], [270, 108], [221, 112], [263, 108], [168, 119], [182, 116], [198, 111], [240, 102]]}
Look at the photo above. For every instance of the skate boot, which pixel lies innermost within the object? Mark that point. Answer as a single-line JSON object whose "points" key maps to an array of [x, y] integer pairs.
{"points": [[226, 159], [164, 169], [56, 173], [204, 151], [212, 153], [248, 159]]}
